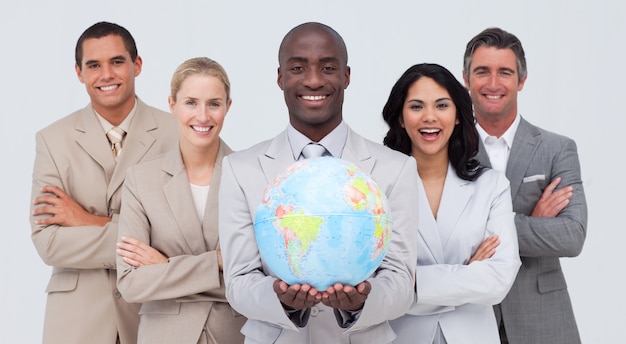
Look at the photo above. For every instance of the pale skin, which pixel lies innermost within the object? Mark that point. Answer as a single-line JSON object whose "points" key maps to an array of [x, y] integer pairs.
{"points": [[493, 72], [201, 102]]}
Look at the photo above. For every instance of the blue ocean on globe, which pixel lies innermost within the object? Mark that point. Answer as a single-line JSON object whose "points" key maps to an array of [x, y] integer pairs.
{"points": [[323, 221]]}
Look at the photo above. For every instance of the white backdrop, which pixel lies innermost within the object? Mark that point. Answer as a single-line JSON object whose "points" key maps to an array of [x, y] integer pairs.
{"points": [[575, 87]]}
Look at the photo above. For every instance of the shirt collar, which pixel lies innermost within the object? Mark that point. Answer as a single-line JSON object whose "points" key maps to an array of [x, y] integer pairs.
{"points": [[125, 125], [508, 135], [333, 142]]}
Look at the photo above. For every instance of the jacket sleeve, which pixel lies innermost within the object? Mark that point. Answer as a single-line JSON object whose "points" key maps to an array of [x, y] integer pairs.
{"points": [[483, 282], [184, 277], [563, 235], [79, 247]]}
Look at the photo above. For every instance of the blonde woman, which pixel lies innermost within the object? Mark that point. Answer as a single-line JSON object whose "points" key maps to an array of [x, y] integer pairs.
{"points": [[168, 251]]}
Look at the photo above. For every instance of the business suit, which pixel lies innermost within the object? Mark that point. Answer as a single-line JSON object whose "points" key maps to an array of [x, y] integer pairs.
{"points": [[451, 294], [178, 296], [538, 308], [249, 280], [83, 304]]}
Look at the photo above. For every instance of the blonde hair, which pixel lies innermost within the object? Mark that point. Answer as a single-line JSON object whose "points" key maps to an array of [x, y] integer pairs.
{"points": [[198, 65]]}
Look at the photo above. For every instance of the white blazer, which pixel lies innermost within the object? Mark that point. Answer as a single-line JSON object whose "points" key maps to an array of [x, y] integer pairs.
{"points": [[450, 293]]}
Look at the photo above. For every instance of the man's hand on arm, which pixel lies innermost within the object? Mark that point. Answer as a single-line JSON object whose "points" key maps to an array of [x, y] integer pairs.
{"points": [[64, 210], [552, 202]]}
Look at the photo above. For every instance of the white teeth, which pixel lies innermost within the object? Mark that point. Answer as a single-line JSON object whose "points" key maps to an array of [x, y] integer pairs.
{"points": [[201, 129], [493, 97], [313, 97], [429, 131], [108, 88]]}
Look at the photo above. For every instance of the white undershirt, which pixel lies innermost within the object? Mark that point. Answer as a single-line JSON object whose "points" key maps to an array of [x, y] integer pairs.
{"points": [[200, 193]]}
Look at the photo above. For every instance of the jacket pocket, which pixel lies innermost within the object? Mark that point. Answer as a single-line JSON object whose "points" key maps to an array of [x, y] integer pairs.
{"points": [[160, 307], [62, 281], [551, 281]]}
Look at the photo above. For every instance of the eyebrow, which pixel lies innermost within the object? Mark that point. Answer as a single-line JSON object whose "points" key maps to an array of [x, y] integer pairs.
{"points": [[323, 59], [482, 68], [114, 58], [436, 100]]}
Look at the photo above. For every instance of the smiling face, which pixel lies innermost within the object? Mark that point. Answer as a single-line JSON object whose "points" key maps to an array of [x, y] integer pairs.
{"points": [[429, 117], [108, 73], [200, 105], [493, 83], [313, 74]]}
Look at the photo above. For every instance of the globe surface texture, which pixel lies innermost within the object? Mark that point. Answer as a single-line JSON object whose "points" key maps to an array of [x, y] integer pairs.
{"points": [[323, 221]]}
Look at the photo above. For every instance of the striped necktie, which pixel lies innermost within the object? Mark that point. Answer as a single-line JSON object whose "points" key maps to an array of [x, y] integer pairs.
{"points": [[115, 136]]}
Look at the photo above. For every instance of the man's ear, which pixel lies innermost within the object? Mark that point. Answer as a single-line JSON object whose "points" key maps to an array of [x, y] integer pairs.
{"points": [[279, 80]]}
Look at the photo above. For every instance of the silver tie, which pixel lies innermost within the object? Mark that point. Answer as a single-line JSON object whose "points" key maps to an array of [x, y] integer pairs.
{"points": [[313, 150]]}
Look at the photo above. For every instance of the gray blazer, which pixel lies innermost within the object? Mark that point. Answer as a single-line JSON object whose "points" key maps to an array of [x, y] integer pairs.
{"points": [[83, 304], [183, 300], [538, 309], [249, 290]]}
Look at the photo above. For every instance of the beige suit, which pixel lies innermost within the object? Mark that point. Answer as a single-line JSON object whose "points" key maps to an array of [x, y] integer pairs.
{"points": [[177, 296], [83, 304]]}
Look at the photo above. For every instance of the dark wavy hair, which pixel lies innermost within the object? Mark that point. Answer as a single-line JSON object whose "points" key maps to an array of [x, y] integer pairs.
{"points": [[463, 144]]}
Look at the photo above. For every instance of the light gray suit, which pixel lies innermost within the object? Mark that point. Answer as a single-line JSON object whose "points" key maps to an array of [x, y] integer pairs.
{"points": [[451, 294], [538, 308], [248, 282], [84, 305], [183, 300]]}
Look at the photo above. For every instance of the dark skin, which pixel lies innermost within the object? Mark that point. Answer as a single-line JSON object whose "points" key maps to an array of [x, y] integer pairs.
{"points": [[313, 74]]}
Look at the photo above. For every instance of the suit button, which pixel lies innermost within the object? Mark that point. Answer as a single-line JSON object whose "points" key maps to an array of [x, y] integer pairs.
{"points": [[117, 294], [315, 311]]}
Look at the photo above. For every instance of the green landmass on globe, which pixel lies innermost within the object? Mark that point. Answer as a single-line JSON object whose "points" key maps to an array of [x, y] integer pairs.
{"points": [[323, 221]]}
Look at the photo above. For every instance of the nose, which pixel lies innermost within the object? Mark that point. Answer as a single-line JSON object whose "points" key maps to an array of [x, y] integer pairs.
{"points": [[493, 81], [107, 71], [204, 113], [428, 114], [313, 79]]}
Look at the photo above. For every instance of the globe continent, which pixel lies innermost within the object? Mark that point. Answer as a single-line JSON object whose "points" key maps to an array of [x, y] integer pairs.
{"points": [[323, 221]]}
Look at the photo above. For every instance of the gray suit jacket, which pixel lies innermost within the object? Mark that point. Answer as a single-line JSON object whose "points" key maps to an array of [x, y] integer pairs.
{"points": [[83, 304], [538, 308], [177, 297], [248, 288]]}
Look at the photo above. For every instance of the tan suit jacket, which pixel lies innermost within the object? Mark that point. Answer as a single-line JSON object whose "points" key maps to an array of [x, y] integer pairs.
{"points": [[83, 304], [178, 296]]}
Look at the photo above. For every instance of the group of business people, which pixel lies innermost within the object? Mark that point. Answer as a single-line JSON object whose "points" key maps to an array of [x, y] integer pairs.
{"points": [[150, 229]]}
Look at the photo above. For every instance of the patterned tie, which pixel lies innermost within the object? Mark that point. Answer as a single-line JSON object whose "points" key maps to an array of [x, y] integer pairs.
{"points": [[313, 150], [115, 136]]}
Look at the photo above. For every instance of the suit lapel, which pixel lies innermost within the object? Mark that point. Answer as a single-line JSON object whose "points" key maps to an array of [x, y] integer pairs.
{"points": [[138, 141], [209, 226], [428, 225], [455, 197], [277, 157], [178, 195], [356, 152], [91, 137], [523, 149]]}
